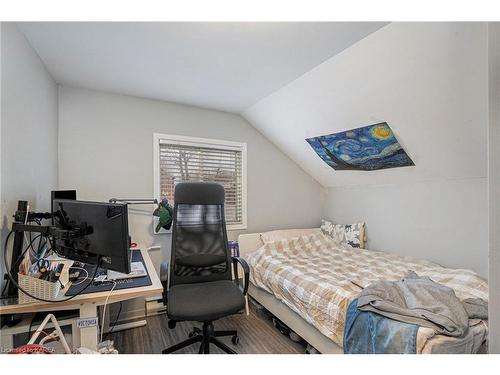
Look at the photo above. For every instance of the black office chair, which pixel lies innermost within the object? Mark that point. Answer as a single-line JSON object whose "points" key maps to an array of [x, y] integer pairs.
{"points": [[201, 285]]}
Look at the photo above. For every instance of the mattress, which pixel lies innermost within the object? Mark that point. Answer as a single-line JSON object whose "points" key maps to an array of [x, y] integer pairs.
{"points": [[318, 278]]}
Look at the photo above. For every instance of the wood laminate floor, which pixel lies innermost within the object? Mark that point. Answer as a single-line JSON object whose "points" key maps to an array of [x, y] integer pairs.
{"points": [[257, 336]]}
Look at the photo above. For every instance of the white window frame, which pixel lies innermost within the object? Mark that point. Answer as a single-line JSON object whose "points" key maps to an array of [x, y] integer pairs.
{"points": [[207, 143]]}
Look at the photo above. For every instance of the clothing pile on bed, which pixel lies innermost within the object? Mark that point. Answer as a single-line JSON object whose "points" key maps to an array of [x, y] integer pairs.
{"points": [[392, 311], [319, 278]]}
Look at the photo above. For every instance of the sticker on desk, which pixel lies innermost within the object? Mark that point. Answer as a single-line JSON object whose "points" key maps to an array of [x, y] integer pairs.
{"points": [[86, 322]]}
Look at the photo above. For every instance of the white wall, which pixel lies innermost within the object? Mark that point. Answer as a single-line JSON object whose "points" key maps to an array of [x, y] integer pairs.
{"points": [[494, 185], [443, 221], [429, 81], [29, 127], [105, 151]]}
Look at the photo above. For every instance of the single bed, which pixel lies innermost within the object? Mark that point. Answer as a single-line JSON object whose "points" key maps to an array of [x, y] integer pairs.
{"points": [[311, 293]]}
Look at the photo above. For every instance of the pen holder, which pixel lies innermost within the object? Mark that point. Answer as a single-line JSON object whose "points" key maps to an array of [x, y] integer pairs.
{"points": [[38, 288]]}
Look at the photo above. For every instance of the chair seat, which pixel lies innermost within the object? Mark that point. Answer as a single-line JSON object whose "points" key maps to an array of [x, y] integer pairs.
{"points": [[204, 302]]}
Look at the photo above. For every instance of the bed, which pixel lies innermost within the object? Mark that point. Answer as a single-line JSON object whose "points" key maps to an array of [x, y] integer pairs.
{"points": [[307, 283]]}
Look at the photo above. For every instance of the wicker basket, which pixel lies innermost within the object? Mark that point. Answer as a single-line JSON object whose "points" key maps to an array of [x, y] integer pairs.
{"points": [[38, 288]]}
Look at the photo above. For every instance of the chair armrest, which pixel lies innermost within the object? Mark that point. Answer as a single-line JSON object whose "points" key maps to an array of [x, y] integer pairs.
{"points": [[246, 269], [164, 280]]}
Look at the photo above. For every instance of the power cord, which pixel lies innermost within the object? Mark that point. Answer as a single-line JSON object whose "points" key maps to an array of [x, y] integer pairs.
{"points": [[15, 263], [81, 270], [13, 281], [116, 319], [104, 309], [31, 326]]}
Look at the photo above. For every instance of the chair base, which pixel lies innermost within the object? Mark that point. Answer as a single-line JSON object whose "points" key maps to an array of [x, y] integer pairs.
{"points": [[206, 336]]}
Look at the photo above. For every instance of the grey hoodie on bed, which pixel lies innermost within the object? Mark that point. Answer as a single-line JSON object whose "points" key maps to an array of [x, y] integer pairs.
{"points": [[417, 300]]}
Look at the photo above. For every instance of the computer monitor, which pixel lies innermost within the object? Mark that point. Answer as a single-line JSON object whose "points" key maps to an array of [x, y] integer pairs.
{"points": [[95, 229], [60, 194]]}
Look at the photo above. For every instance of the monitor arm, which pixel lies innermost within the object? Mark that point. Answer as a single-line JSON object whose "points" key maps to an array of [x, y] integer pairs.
{"points": [[53, 231]]}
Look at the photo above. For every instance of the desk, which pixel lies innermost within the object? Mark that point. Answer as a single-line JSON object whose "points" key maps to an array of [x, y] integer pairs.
{"points": [[87, 303]]}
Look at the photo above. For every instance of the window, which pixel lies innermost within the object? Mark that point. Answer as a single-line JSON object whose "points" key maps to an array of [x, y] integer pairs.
{"points": [[188, 159]]}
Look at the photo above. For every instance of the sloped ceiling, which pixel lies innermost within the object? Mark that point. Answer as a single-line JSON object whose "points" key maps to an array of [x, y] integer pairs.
{"points": [[292, 81], [220, 65], [427, 81]]}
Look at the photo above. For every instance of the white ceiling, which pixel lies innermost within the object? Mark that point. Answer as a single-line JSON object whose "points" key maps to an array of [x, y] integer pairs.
{"points": [[226, 66]]}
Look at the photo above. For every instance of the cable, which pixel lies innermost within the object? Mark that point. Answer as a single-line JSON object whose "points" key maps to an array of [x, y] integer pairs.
{"points": [[104, 311], [43, 248], [33, 252], [41, 243], [49, 247], [19, 258], [116, 319], [31, 326], [26, 222], [4, 289], [30, 244], [81, 269], [32, 296]]}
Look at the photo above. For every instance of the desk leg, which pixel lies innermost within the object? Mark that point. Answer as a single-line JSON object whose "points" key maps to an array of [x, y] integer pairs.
{"points": [[88, 335], [6, 341]]}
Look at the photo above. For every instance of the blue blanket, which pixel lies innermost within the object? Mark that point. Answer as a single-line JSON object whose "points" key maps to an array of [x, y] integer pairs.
{"points": [[366, 332]]}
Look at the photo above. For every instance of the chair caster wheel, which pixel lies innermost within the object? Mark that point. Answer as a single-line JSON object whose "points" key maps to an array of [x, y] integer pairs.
{"points": [[235, 340], [195, 332], [311, 350]]}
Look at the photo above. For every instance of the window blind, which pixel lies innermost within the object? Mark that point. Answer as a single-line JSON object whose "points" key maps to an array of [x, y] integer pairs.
{"points": [[186, 163]]}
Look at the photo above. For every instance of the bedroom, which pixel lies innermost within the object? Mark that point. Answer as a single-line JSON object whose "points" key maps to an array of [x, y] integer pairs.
{"points": [[350, 153]]}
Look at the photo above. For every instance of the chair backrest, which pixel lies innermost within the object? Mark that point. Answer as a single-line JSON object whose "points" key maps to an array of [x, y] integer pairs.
{"points": [[200, 251]]}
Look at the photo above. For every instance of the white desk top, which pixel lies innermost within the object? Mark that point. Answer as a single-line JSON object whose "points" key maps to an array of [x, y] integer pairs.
{"points": [[97, 298]]}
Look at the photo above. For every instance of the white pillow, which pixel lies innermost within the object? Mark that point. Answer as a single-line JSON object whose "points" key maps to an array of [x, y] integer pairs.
{"points": [[283, 234]]}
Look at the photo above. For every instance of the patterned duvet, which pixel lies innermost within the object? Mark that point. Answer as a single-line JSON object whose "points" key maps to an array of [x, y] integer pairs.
{"points": [[318, 278]]}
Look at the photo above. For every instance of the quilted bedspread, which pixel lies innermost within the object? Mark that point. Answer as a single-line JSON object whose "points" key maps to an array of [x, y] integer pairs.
{"points": [[318, 278]]}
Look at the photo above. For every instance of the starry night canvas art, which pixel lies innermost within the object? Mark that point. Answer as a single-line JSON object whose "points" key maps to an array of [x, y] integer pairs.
{"points": [[366, 149]]}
